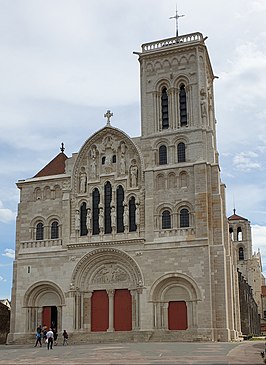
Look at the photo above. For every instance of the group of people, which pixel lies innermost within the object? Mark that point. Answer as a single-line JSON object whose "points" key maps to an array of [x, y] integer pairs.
{"points": [[49, 337]]}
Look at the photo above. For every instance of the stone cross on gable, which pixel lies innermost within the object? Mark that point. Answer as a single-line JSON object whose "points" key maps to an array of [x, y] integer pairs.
{"points": [[108, 115]]}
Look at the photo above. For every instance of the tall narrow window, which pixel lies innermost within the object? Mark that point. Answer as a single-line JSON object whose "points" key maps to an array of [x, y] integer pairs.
{"points": [[39, 231], [119, 209], [83, 217], [184, 218], [95, 211], [164, 103], [107, 207], [162, 155], [241, 253], [239, 234], [166, 219], [231, 233], [181, 152], [132, 215], [54, 230], [183, 105]]}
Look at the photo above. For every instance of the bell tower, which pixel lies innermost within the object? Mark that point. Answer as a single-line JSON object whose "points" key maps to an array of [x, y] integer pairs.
{"points": [[176, 80]]}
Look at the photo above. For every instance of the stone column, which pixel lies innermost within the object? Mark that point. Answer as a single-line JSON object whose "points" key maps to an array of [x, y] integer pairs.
{"points": [[59, 319], [87, 311], [165, 316], [111, 310]]}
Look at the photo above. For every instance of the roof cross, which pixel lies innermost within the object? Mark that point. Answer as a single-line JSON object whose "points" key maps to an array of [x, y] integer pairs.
{"points": [[108, 115], [176, 17], [62, 147]]}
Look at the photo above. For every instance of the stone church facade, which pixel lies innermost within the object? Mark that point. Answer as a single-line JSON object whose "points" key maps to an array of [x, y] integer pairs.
{"points": [[128, 238]]}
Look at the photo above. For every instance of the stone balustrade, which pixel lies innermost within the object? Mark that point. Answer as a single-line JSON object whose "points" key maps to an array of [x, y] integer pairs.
{"points": [[41, 243], [174, 41]]}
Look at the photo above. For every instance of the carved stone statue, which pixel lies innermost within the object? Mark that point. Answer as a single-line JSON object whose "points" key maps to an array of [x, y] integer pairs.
{"points": [[82, 181], [126, 214], [101, 218], [88, 219], [93, 162], [77, 220], [133, 176], [113, 216]]}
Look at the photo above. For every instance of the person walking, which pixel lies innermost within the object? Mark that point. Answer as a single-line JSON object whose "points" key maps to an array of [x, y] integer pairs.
{"points": [[65, 338], [38, 336], [50, 338]]}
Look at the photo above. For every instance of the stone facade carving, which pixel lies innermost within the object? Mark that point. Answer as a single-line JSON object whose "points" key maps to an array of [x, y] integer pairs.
{"points": [[110, 274]]}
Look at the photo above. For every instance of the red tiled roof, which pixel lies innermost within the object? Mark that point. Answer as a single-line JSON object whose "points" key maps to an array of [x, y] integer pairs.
{"points": [[236, 217], [54, 167]]}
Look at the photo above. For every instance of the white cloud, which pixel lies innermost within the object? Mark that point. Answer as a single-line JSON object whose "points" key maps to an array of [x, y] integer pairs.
{"points": [[6, 215], [245, 161], [2, 279], [9, 253]]}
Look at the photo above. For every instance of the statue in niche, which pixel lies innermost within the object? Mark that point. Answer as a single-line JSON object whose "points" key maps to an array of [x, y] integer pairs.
{"points": [[77, 220], [113, 217], [126, 214], [203, 106], [122, 159], [88, 219], [82, 181], [101, 218], [133, 175], [93, 162]]}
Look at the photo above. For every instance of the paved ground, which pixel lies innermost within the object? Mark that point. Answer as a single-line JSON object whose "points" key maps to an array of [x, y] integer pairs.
{"points": [[247, 352]]}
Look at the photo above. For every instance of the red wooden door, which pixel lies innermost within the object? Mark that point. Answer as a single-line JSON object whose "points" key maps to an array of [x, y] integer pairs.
{"points": [[122, 310], [177, 315], [46, 317], [99, 311]]}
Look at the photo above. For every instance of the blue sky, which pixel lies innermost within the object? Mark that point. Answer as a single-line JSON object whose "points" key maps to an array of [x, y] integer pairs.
{"points": [[65, 62]]}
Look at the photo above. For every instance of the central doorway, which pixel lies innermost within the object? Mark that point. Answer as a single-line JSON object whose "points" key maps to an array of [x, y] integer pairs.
{"points": [[49, 316]]}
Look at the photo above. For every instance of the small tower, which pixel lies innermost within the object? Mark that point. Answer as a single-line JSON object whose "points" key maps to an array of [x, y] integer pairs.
{"points": [[248, 263]]}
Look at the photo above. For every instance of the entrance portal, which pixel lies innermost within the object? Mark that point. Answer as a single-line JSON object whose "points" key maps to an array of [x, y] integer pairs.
{"points": [[49, 316], [177, 315]]}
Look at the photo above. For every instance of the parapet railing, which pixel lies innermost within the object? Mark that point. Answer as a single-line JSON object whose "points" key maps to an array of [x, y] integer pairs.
{"points": [[41, 243], [174, 41]]}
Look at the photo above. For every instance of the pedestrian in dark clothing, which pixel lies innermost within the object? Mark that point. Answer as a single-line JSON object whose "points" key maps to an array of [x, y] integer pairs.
{"points": [[65, 337], [38, 336]]}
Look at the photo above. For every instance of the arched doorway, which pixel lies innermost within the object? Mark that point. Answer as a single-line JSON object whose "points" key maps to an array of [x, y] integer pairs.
{"points": [[175, 298], [44, 301], [110, 282]]}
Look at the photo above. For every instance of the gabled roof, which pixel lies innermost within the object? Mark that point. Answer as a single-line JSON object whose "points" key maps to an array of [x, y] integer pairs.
{"points": [[54, 167], [236, 217]]}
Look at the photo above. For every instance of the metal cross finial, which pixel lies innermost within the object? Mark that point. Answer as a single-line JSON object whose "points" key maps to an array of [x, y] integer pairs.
{"points": [[108, 115], [62, 147], [176, 17]]}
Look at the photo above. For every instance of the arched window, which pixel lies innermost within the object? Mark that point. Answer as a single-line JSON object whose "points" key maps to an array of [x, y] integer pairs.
{"points": [[183, 179], [39, 231], [119, 209], [95, 211], [184, 218], [241, 253], [83, 217], [166, 219], [107, 207], [183, 106], [181, 152], [164, 104], [132, 215], [231, 233], [239, 234], [162, 155], [54, 230], [103, 160]]}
